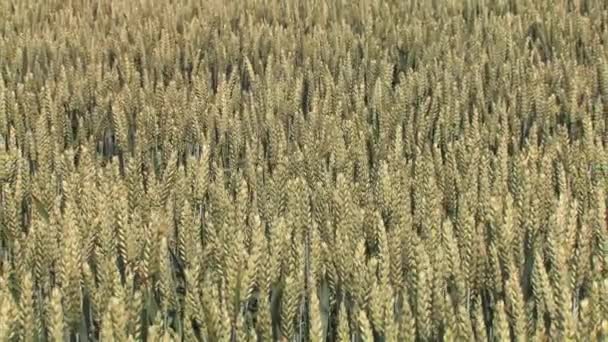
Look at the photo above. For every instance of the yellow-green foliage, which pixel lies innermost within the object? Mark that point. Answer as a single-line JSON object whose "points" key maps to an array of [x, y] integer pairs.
{"points": [[292, 170]]}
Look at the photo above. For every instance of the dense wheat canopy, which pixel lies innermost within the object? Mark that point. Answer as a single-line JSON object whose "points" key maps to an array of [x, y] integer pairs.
{"points": [[303, 170]]}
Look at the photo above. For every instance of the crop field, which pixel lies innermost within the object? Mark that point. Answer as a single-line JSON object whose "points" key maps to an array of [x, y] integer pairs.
{"points": [[303, 170]]}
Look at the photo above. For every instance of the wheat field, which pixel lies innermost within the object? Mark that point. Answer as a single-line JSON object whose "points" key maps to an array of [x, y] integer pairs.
{"points": [[303, 170]]}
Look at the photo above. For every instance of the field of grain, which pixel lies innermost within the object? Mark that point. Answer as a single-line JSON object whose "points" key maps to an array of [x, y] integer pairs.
{"points": [[303, 170]]}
